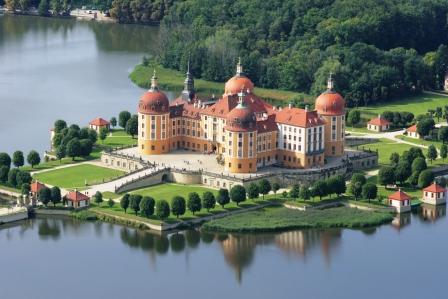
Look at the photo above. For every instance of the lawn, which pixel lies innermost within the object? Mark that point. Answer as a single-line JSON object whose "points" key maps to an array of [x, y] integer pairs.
{"points": [[437, 144], [118, 138], [417, 105], [415, 193], [279, 218], [386, 147], [11, 189], [168, 191], [174, 80], [76, 176]]}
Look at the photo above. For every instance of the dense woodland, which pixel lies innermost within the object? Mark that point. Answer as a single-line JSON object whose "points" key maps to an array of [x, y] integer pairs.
{"points": [[377, 49]]}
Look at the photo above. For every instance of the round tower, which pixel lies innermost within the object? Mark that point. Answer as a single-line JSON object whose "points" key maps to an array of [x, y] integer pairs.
{"points": [[331, 106], [239, 82], [153, 121], [241, 131]]}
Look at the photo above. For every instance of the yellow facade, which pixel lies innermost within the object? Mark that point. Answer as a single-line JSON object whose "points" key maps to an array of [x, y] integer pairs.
{"points": [[241, 154], [334, 135]]}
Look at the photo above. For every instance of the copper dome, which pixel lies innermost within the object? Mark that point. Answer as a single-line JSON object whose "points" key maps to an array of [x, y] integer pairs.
{"points": [[237, 83], [330, 103], [241, 119], [153, 102]]}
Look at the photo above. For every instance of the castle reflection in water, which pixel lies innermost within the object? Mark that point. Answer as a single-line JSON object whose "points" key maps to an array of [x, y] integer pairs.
{"points": [[238, 250]]}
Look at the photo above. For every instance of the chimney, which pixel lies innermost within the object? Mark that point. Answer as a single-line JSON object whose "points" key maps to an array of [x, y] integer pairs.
{"points": [[290, 105], [306, 108]]}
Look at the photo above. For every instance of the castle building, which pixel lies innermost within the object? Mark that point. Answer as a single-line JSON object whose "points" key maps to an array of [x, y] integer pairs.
{"points": [[246, 132]]}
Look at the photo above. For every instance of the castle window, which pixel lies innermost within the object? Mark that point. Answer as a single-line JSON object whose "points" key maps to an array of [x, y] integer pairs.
{"points": [[230, 165], [250, 165], [153, 148], [239, 166], [143, 147], [333, 150], [153, 118]]}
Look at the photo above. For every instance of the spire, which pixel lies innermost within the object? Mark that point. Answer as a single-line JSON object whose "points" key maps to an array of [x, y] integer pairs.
{"points": [[239, 68], [330, 83], [154, 86], [188, 92]]}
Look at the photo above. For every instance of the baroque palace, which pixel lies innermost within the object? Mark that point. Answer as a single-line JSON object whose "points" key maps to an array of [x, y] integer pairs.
{"points": [[243, 130]]}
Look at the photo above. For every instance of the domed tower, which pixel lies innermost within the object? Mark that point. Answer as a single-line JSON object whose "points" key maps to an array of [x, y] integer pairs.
{"points": [[239, 82], [241, 130], [331, 106], [153, 121], [188, 93]]}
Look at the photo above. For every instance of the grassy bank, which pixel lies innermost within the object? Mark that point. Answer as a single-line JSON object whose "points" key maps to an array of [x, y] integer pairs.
{"points": [[279, 218], [174, 80]]}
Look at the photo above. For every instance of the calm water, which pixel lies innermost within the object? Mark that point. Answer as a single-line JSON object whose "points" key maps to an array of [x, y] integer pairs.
{"points": [[52, 68], [57, 258]]}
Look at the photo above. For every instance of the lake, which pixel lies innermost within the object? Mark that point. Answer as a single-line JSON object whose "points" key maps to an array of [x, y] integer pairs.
{"points": [[58, 68], [65, 258]]}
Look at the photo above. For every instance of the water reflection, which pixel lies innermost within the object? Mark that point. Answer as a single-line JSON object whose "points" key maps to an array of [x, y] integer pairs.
{"points": [[432, 213], [401, 220]]}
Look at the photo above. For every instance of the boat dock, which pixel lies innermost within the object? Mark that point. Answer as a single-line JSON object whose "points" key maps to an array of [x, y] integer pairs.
{"points": [[8, 215]]}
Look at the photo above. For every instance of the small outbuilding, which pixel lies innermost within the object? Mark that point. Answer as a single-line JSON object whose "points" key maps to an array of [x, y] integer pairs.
{"points": [[98, 123], [412, 132], [34, 190], [401, 201], [434, 194], [378, 124], [77, 200]]}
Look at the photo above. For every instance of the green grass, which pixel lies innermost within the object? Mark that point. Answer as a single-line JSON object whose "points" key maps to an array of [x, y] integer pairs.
{"points": [[385, 148], [117, 139], [110, 195], [383, 192], [437, 144], [174, 80], [76, 176], [168, 191], [360, 130], [418, 104], [279, 218]]}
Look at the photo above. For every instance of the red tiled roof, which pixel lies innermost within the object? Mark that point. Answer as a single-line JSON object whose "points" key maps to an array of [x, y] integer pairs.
{"points": [[379, 121], [99, 122], [299, 117], [267, 124], [412, 128], [237, 83], [224, 105], [399, 195], [330, 103], [434, 188], [76, 196], [36, 187]]}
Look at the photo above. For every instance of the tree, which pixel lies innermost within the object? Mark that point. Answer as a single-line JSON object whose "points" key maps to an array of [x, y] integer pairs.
{"points": [[264, 186], [284, 194], [55, 195], [110, 203], [295, 191], [443, 152], [162, 209], [59, 125], [238, 194], [132, 126], [320, 188], [424, 126], [223, 197], [73, 148], [43, 8], [403, 171], [98, 198], [354, 117], [356, 189], [147, 206], [134, 202], [33, 158], [123, 118], [425, 178], [23, 177], [124, 202], [60, 153], [338, 185], [86, 147], [113, 122], [394, 158], [438, 113], [17, 159], [386, 176], [208, 200], [305, 193], [418, 165], [12, 177], [358, 177], [413, 179], [275, 187], [432, 153], [178, 206], [26, 188], [253, 191], [45, 195], [103, 134], [443, 134], [369, 191], [194, 202], [5, 160], [4, 170]]}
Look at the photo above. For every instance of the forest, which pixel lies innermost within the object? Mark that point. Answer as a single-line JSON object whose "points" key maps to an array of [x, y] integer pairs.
{"points": [[378, 50]]}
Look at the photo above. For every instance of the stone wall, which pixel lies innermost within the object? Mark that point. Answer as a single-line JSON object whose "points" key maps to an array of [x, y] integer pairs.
{"points": [[122, 162], [150, 180], [14, 216], [364, 160]]}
